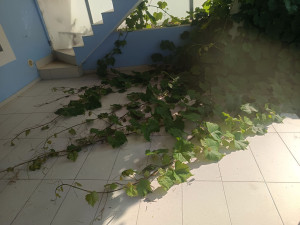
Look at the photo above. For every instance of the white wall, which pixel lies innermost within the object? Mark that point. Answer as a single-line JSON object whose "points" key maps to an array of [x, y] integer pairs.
{"points": [[66, 22], [99, 6]]}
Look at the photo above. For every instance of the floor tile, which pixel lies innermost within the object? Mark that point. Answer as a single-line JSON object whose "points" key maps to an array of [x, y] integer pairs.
{"points": [[32, 121], [162, 208], [75, 209], [42, 205], [14, 197], [287, 200], [131, 156], [24, 105], [290, 124], [5, 148], [41, 88], [292, 140], [205, 170], [274, 159], [3, 184], [26, 149], [205, 202], [99, 162], [64, 168], [250, 203], [271, 129], [3, 118], [10, 123], [239, 166], [117, 208], [52, 104]]}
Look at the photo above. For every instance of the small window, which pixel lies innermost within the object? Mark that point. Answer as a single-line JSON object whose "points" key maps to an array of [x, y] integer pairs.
{"points": [[6, 53]]}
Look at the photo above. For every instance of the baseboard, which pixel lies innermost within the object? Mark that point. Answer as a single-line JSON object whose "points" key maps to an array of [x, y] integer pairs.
{"points": [[14, 96]]}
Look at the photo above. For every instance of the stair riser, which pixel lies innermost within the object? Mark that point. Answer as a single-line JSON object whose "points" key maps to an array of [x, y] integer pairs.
{"points": [[60, 73], [65, 58]]}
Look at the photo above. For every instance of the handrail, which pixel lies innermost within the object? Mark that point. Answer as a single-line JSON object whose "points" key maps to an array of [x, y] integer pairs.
{"points": [[89, 11]]}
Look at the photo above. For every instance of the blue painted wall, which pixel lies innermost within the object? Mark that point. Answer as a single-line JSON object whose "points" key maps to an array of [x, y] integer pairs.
{"points": [[24, 31], [140, 46]]}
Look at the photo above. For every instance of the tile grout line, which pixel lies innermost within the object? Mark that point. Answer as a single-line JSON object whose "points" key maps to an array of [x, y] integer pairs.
{"points": [[106, 183], [21, 209], [266, 185], [14, 127], [182, 208], [41, 180], [138, 213], [69, 188], [225, 194], [288, 148]]}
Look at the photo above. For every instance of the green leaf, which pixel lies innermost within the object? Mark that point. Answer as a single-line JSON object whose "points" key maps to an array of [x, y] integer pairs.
{"points": [[92, 198], [131, 190], [175, 132], [214, 131], [136, 114], [248, 108], [71, 148], [27, 132], [182, 170], [166, 182], [72, 155], [114, 119], [162, 4], [149, 168], [183, 150], [158, 16], [240, 143], [152, 18], [111, 187], [116, 107], [143, 187], [45, 127], [211, 149], [180, 157], [118, 139], [166, 159], [127, 173], [259, 129], [194, 117], [151, 126], [78, 184], [72, 131], [103, 115]]}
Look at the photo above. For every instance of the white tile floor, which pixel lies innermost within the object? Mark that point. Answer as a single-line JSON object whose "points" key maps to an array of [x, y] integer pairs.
{"points": [[258, 186]]}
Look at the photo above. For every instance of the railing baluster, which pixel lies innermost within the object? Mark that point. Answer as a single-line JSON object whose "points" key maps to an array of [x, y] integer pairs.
{"points": [[89, 11], [191, 8]]}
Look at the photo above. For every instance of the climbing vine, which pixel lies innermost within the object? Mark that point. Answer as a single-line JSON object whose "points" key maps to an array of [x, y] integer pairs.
{"points": [[219, 81]]}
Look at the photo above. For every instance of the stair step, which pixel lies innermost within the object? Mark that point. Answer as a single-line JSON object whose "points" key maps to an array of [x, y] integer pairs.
{"points": [[66, 55], [111, 21], [59, 70]]}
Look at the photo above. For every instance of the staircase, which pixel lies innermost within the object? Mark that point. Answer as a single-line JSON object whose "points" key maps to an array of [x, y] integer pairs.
{"points": [[66, 63]]}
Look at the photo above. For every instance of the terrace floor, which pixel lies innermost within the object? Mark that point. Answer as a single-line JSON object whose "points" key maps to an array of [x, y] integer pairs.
{"points": [[258, 186]]}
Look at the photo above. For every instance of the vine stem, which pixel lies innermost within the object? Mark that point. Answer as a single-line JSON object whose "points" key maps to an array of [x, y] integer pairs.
{"points": [[35, 127]]}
